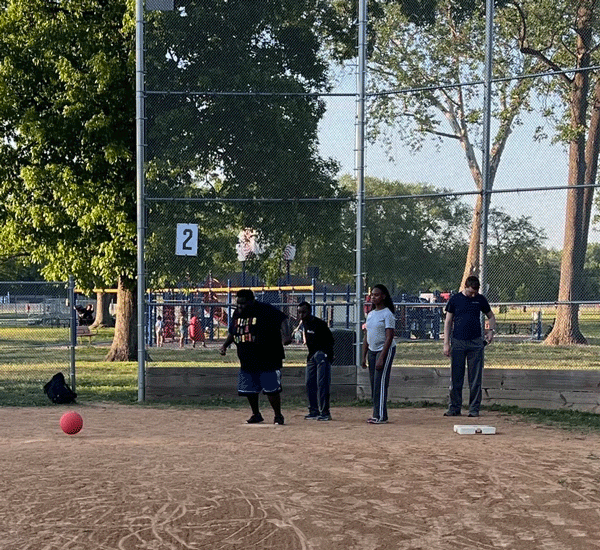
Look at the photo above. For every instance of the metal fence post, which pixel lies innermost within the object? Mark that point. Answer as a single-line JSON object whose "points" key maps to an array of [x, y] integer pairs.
{"points": [[140, 113], [360, 169], [73, 331]]}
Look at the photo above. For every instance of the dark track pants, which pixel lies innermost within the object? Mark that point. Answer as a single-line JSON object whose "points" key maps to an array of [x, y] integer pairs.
{"points": [[380, 381], [318, 383]]}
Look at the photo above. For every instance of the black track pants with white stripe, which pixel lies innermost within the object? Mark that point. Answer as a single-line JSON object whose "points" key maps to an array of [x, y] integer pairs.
{"points": [[380, 381]]}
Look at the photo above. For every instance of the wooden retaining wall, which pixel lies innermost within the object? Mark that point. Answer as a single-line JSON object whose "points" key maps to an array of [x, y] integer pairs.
{"points": [[535, 388], [198, 383], [532, 388]]}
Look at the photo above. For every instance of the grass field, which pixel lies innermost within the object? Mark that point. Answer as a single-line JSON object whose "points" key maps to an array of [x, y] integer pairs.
{"points": [[30, 355], [589, 319]]}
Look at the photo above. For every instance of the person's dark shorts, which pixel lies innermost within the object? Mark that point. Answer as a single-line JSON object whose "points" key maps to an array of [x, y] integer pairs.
{"points": [[255, 382]]}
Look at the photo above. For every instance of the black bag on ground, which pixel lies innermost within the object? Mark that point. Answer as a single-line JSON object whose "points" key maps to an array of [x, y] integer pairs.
{"points": [[58, 391]]}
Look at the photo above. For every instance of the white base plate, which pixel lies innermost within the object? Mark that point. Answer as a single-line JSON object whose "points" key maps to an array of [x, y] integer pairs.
{"points": [[471, 430]]}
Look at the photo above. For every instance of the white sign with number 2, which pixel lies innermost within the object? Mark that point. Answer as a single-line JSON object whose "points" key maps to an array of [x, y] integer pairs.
{"points": [[187, 239]]}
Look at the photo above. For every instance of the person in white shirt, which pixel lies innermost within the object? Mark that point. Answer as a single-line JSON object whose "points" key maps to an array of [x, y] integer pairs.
{"points": [[379, 349], [158, 327]]}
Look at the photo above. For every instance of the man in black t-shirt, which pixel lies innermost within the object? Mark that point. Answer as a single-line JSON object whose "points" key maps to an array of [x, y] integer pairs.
{"points": [[319, 341], [259, 332], [464, 342]]}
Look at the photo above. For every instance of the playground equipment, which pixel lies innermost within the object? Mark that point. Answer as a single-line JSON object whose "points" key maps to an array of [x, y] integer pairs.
{"points": [[419, 320], [212, 305]]}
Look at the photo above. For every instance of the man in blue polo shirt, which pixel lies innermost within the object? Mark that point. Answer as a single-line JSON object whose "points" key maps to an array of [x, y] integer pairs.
{"points": [[463, 323]]}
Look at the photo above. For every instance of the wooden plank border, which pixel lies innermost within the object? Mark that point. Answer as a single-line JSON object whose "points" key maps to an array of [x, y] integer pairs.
{"points": [[198, 383], [534, 388]]}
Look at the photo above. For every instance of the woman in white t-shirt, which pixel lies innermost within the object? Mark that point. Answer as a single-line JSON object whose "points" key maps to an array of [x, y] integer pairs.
{"points": [[158, 328], [379, 349]]}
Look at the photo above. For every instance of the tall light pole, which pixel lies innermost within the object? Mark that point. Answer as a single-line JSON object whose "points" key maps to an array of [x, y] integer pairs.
{"points": [[360, 168], [140, 137], [140, 109], [485, 163]]}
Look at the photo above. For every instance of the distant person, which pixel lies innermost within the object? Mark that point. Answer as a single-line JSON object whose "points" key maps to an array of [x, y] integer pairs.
{"points": [[159, 329], [183, 328], [196, 332], [85, 315], [79, 310], [259, 332], [379, 349], [464, 343], [89, 313], [298, 334], [319, 341]]}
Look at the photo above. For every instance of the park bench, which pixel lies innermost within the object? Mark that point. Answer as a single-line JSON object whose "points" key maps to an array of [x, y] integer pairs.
{"points": [[85, 332], [524, 329]]}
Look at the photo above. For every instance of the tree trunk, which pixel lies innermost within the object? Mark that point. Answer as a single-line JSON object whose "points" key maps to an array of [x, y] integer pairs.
{"points": [[124, 345], [583, 168], [103, 316], [458, 123], [472, 263], [566, 326]]}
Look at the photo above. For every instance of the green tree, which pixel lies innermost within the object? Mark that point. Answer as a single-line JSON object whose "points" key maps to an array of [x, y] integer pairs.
{"points": [[18, 269], [448, 51], [410, 234], [531, 36], [415, 240], [591, 277], [520, 268], [232, 133], [560, 37], [67, 176]]}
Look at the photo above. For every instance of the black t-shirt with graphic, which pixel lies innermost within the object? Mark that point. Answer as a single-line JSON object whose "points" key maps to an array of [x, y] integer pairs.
{"points": [[257, 335]]}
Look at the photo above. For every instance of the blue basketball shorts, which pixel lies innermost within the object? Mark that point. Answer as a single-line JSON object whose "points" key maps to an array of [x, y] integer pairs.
{"points": [[255, 382]]}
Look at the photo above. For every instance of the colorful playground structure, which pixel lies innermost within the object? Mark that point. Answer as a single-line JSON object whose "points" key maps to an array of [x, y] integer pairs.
{"points": [[213, 306]]}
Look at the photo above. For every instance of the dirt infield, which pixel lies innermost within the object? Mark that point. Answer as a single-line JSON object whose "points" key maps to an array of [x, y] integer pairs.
{"points": [[164, 479]]}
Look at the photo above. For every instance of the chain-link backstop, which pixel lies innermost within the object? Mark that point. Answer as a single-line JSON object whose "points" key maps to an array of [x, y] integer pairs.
{"points": [[251, 177]]}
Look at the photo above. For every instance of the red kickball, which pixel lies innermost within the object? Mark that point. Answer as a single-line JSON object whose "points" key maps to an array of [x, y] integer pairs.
{"points": [[71, 422]]}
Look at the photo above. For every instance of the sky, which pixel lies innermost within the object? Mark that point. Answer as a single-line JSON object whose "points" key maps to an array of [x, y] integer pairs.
{"points": [[525, 164]]}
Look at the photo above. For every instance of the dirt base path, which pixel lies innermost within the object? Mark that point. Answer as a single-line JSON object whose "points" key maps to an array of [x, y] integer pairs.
{"points": [[164, 479]]}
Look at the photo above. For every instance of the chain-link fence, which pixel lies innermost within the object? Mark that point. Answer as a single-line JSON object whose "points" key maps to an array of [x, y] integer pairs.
{"points": [[35, 340], [251, 177], [480, 156]]}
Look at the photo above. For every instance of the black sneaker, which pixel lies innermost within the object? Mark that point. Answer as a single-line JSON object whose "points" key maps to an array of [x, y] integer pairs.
{"points": [[255, 419], [473, 414], [278, 419], [324, 417], [311, 416], [452, 413]]}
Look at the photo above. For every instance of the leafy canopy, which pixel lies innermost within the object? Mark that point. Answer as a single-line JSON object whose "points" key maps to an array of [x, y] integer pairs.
{"points": [[67, 174]]}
